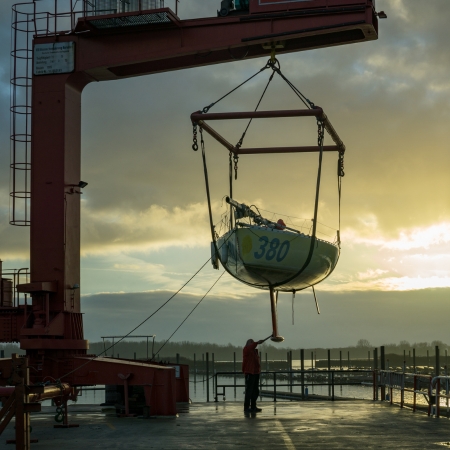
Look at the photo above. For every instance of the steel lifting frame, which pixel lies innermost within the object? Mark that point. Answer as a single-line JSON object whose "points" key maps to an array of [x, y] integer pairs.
{"points": [[200, 119]]}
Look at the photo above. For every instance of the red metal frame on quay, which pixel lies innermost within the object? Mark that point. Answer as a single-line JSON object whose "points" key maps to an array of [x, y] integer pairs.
{"points": [[50, 328]]}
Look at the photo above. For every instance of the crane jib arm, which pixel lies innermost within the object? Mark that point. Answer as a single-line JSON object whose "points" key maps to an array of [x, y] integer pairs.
{"points": [[172, 44]]}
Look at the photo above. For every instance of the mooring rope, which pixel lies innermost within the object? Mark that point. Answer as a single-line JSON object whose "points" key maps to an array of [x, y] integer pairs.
{"points": [[149, 317]]}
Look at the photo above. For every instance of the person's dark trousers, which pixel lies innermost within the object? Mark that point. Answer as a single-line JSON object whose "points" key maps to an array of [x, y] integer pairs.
{"points": [[251, 390]]}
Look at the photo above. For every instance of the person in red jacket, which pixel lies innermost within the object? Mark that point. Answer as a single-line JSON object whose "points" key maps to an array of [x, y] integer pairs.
{"points": [[251, 367]]}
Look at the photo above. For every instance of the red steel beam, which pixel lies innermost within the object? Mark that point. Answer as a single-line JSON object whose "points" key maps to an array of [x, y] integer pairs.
{"points": [[199, 118], [304, 149], [253, 151], [118, 53], [217, 136], [315, 112]]}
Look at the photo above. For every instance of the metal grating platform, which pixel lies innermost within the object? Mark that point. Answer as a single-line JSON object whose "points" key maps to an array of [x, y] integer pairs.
{"points": [[130, 21]]}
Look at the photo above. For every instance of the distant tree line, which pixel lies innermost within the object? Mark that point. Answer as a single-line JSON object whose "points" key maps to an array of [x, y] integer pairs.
{"points": [[186, 349]]}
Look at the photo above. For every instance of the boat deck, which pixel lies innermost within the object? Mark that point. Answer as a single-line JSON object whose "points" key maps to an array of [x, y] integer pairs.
{"points": [[290, 425]]}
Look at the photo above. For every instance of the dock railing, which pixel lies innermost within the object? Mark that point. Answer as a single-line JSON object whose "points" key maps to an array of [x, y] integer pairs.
{"points": [[417, 385], [279, 385], [437, 385], [304, 379]]}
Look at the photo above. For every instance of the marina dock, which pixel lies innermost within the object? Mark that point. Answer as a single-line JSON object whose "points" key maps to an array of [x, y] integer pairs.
{"points": [[223, 425]]}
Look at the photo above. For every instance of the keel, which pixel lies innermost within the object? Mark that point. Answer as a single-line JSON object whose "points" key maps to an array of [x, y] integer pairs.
{"points": [[275, 336]]}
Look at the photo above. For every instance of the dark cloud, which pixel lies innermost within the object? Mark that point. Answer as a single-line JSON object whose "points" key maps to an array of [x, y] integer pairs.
{"points": [[380, 317], [388, 99]]}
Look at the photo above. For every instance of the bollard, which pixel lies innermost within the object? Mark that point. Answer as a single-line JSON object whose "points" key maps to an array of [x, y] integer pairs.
{"points": [[274, 386], [375, 373], [195, 370], [213, 371], [437, 366], [383, 367], [234, 370], [302, 368], [329, 373], [207, 376], [260, 378], [290, 370], [332, 386]]}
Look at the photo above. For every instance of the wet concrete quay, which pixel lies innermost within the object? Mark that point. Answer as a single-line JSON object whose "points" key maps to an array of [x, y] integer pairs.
{"points": [[355, 424]]}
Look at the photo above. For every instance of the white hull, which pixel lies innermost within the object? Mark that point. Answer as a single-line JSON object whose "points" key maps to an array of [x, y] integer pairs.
{"points": [[264, 257]]}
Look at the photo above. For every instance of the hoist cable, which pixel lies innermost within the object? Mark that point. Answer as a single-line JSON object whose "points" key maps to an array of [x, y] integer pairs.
{"points": [[241, 140], [186, 318], [299, 94], [207, 108]]}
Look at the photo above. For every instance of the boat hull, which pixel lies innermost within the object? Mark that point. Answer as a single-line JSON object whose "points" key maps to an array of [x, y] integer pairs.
{"points": [[263, 257]]}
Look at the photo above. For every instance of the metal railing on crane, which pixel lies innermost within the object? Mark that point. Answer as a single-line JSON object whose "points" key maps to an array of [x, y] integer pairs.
{"points": [[39, 18]]}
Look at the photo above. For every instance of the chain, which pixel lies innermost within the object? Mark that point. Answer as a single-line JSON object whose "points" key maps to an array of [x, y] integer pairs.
{"points": [[236, 160], [60, 413], [194, 138], [340, 168], [202, 142], [320, 132]]}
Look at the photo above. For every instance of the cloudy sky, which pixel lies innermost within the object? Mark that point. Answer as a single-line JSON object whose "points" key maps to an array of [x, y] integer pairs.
{"points": [[144, 216]]}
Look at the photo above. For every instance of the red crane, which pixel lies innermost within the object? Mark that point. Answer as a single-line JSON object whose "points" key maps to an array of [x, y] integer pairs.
{"points": [[110, 45]]}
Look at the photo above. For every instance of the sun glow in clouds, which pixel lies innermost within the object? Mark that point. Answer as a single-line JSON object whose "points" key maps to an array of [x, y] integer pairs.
{"points": [[408, 239], [415, 259]]}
